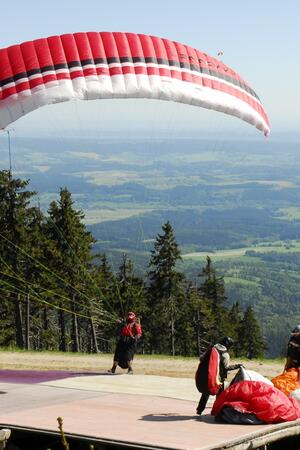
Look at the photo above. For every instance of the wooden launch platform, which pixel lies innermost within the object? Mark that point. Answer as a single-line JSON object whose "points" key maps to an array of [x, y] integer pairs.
{"points": [[123, 411]]}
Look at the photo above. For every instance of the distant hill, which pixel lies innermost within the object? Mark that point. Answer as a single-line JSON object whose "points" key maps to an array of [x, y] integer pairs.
{"points": [[218, 194]]}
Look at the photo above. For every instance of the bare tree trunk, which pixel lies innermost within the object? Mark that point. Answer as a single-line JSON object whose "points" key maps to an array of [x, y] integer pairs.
{"points": [[75, 337], [94, 337], [198, 333], [173, 337], [45, 319], [27, 328], [172, 329], [45, 328], [75, 340], [19, 323], [62, 327]]}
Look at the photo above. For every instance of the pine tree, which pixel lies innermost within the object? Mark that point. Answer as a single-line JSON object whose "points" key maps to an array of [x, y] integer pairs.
{"points": [[105, 297], [200, 318], [15, 217], [165, 291], [250, 343], [131, 289], [212, 290], [70, 257], [131, 295], [33, 274], [234, 316]]}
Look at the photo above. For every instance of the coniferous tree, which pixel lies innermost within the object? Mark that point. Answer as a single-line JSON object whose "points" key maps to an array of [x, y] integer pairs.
{"points": [[212, 289], [201, 318], [234, 318], [15, 213], [250, 343], [106, 298], [131, 294], [36, 298], [53, 295], [106, 281], [131, 289], [165, 291], [70, 256], [185, 326]]}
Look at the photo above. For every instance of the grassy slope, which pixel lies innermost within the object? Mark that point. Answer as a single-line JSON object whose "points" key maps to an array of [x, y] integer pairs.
{"points": [[143, 364]]}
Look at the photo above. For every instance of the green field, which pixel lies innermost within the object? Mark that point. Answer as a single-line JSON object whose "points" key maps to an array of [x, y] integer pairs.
{"points": [[278, 247], [290, 213]]}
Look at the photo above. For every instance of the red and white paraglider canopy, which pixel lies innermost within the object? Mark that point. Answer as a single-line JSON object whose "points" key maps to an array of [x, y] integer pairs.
{"points": [[87, 66]]}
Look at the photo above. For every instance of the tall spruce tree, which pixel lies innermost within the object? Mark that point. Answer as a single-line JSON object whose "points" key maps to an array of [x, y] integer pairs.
{"points": [[251, 342], [36, 287], [70, 257], [212, 291], [165, 291], [130, 289], [130, 295], [201, 319], [106, 298], [234, 318], [15, 219]]}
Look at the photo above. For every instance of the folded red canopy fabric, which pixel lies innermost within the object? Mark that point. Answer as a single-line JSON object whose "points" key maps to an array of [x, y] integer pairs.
{"points": [[267, 402]]}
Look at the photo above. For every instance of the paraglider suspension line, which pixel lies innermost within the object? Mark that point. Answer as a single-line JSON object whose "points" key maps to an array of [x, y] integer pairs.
{"points": [[9, 150]]}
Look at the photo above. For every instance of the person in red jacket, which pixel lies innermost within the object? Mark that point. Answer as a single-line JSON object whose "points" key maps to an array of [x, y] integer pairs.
{"points": [[126, 345]]}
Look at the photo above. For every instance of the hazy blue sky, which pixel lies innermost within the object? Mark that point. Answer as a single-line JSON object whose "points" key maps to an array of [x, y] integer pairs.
{"points": [[260, 39]]}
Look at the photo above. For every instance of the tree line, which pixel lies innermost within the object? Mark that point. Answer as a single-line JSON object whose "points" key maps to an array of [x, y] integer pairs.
{"points": [[58, 294]]}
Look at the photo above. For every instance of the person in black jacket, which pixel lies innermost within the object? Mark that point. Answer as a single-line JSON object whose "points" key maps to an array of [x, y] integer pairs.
{"points": [[224, 366], [293, 350]]}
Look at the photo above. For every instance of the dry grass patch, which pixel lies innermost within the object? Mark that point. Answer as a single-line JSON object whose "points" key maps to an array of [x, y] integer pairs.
{"points": [[143, 364]]}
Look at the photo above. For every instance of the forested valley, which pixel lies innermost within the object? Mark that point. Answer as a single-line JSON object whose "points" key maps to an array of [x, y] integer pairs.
{"points": [[57, 293]]}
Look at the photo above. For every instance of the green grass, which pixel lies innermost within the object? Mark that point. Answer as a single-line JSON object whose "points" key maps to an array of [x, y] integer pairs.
{"points": [[278, 247], [290, 213], [237, 280], [94, 216], [109, 355]]}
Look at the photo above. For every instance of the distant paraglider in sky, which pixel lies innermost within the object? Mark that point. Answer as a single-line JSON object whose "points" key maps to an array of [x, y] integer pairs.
{"points": [[88, 66]]}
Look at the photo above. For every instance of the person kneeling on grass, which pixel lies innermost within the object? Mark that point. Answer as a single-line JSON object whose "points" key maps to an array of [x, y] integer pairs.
{"points": [[127, 342]]}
